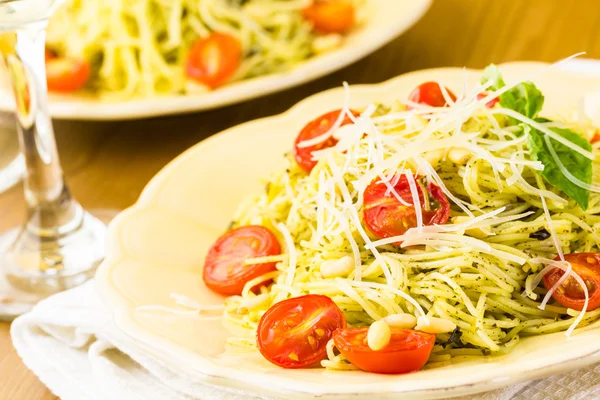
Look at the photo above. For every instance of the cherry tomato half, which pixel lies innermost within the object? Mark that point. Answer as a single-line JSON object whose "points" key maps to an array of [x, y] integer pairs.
{"points": [[66, 74], [490, 103], [596, 137], [213, 60], [430, 93], [317, 127], [570, 293], [330, 16], [407, 351], [385, 216], [224, 268], [294, 333]]}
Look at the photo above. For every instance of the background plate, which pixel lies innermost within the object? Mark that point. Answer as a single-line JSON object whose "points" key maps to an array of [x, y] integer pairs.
{"points": [[386, 19], [157, 248]]}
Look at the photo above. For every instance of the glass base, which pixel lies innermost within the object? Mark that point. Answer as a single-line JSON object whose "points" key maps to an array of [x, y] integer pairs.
{"points": [[33, 267]]}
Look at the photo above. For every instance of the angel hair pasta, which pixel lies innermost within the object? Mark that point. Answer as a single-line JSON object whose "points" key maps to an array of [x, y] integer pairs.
{"points": [[522, 196]]}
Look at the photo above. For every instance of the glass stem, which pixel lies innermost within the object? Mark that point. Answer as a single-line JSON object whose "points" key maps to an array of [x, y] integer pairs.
{"points": [[51, 211]]}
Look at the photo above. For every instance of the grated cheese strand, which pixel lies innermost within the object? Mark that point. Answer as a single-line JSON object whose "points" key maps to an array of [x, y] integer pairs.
{"points": [[291, 250], [338, 122], [415, 197]]}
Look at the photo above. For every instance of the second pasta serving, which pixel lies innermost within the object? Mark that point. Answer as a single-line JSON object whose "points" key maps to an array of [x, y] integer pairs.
{"points": [[142, 48]]}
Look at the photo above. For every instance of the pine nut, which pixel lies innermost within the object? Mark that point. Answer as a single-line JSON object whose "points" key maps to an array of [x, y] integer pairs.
{"points": [[403, 321], [434, 157], [325, 43], [379, 335], [363, 16], [257, 301], [434, 325], [335, 268], [459, 155], [195, 87]]}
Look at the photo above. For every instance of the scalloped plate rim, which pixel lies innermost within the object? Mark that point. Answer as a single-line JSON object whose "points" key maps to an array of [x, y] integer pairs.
{"points": [[118, 304]]}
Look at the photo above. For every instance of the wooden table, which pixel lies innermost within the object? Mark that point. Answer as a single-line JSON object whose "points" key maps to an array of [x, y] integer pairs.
{"points": [[108, 164]]}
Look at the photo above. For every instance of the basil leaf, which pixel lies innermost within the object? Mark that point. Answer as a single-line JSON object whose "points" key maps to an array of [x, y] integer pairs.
{"points": [[525, 98], [577, 164], [492, 73]]}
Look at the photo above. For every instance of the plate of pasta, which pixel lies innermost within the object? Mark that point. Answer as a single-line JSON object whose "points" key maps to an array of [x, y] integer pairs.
{"points": [[434, 235], [135, 59]]}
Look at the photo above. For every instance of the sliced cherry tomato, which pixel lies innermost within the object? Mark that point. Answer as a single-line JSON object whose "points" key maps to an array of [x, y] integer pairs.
{"points": [[330, 16], [430, 93], [385, 216], [596, 137], [490, 103], [224, 268], [294, 333], [570, 293], [407, 351], [213, 60], [66, 74], [317, 127]]}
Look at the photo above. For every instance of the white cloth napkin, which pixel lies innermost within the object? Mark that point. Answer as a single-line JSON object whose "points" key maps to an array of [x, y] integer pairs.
{"points": [[14, 302], [71, 343]]}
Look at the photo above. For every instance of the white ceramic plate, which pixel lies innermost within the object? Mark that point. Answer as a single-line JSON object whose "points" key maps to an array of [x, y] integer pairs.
{"points": [[384, 21], [157, 248]]}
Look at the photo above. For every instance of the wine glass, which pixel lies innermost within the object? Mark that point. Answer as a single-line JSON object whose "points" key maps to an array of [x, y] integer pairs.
{"points": [[60, 244], [11, 161]]}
